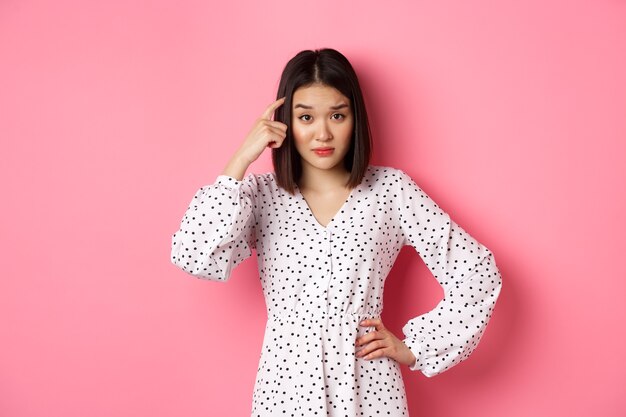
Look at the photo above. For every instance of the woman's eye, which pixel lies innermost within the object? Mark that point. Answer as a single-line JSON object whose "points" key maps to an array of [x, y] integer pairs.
{"points": [[307, 117]]}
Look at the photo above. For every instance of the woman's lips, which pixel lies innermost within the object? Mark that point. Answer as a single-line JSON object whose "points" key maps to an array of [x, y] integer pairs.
{"points": [[324, 152]]}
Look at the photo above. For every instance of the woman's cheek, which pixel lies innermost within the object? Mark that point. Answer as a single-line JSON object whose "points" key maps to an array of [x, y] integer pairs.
{"points": [[299, 133]]}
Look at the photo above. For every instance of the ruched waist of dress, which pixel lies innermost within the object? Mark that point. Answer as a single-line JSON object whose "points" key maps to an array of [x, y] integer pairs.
{"points": [[328, 316]]}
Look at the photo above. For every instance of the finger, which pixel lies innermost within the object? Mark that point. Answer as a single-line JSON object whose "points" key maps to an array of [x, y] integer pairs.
{"points": [[376, 322], [370, 322], [277, 125], [379, 353], [275, 143], [265, 128], [267, 114], [371, 347], [369, 337], [264, 123], [275, 133]]}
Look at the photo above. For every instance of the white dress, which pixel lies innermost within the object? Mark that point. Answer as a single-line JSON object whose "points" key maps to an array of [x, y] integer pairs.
{"points": [[320, 282]]}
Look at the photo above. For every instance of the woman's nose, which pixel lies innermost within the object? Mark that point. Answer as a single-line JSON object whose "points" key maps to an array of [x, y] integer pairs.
{"points": [[324, 132]]}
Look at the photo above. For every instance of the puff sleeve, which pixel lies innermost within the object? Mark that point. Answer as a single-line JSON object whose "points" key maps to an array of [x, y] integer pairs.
{"points": [[217, 231], [465, 269]]}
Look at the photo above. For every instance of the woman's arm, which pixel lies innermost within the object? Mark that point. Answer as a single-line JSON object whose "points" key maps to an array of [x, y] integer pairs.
{"points": [[465, 269], [217, 231]]}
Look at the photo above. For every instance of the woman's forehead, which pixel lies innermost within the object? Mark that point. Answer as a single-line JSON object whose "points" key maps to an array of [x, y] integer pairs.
{"points": [[318, 95]]}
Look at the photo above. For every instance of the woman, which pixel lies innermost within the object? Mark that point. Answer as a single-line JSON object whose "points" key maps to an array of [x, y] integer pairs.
{"points": [[327, 227]]}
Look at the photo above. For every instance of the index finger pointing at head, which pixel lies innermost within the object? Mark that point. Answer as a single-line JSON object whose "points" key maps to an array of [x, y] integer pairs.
{"points": [[267, 114]]}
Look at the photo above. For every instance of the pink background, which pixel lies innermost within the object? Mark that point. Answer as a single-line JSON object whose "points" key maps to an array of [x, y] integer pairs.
{"points": [[112, 114]]}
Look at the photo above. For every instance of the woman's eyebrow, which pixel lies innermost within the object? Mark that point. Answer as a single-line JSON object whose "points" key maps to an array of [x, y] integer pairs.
{"points": [[337, 107]]}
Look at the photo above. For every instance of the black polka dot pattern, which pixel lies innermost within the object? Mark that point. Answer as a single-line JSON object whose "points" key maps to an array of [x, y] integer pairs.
{"points": [[320, 281]]}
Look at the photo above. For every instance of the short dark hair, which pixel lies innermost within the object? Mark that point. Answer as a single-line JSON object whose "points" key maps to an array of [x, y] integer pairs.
{"points": [[327, 67]]}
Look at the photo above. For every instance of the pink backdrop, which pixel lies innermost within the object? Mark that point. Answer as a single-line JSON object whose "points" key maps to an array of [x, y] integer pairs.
{"points": [[112, 114]]}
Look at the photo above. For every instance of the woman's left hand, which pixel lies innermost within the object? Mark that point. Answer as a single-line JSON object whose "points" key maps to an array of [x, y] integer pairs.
{"points": [[382, 342]]}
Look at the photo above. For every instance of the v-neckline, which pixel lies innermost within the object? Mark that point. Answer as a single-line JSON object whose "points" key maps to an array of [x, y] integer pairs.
{"points": [[331, 223]]}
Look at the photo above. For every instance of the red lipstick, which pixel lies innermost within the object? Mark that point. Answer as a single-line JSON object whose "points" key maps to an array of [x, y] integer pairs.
{"points": [[324, 151]]}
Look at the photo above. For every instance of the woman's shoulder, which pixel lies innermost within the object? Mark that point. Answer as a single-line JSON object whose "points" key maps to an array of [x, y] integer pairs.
{"points": [[261, 182], [386, 174], [375, 174], [252, 183], [384, 169], [264, 179]]}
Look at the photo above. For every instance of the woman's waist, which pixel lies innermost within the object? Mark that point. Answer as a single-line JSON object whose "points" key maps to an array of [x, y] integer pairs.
{"points": [[323, 314]]}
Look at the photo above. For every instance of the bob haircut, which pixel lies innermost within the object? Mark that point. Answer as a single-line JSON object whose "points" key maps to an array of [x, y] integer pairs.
{"points": [[327, 67]]}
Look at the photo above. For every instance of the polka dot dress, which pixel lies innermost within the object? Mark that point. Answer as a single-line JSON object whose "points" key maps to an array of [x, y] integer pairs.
{"points": [[320, 281]]}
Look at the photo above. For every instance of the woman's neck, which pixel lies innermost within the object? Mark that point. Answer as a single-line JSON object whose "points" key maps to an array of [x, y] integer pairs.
{"points": [[323, 180]]}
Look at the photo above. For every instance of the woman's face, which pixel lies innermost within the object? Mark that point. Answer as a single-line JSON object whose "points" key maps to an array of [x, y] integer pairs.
{"points": [[321, 118]]}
